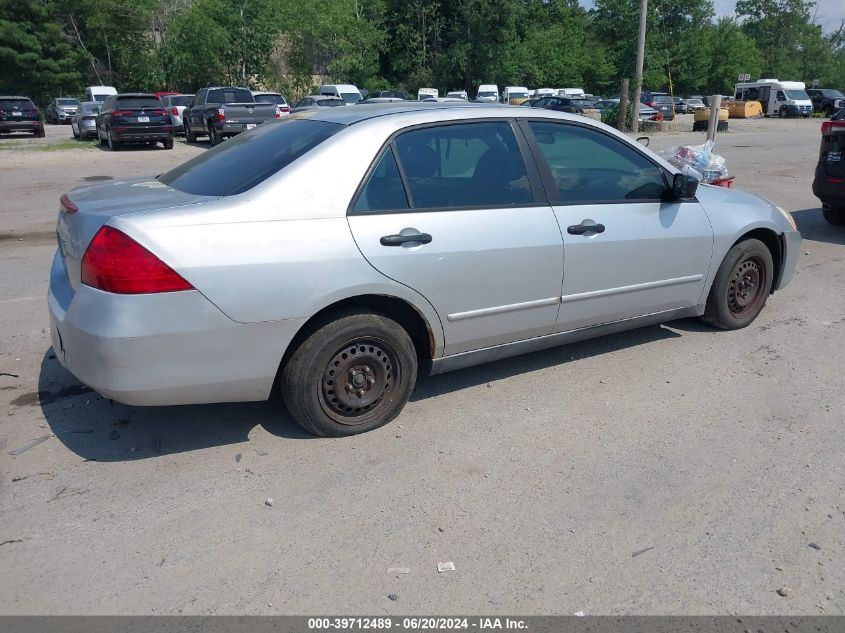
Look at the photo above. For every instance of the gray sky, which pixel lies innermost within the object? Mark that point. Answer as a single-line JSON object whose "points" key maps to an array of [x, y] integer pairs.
{"points": [[830, 12]]}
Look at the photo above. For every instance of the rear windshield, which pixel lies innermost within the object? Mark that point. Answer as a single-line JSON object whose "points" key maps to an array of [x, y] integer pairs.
{"points": [[138, 102], [350, 97], [662, 98], [90, 108], [330, 102], [16, 104], [230, 95], [180, 100], [277, 99], [67, 102], [249, 158]]}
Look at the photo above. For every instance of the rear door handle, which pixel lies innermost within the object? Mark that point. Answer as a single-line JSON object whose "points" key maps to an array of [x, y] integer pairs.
{"points": [[399, 239], [586, 226]]}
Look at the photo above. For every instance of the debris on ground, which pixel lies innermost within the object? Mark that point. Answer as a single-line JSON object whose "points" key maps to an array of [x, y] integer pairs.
{"points": [[784, 592], [58, 494], [579, 614], [30, 444], [447, 566], [268, 502], [398, 570], [641, 551], [815, 546], [12, 540], [237, 458], [393, 596], [20, 478], [3, 373]]}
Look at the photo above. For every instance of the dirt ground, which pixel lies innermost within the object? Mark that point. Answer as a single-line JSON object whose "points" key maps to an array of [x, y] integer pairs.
{"points": [[669, 470]]}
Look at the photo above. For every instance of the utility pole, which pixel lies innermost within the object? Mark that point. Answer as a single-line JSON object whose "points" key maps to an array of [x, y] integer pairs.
{"points": [[638, 80]]}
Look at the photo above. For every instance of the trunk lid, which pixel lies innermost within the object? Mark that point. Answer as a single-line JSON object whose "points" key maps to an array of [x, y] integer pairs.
{"points": [[97, 204], [249, 112]]}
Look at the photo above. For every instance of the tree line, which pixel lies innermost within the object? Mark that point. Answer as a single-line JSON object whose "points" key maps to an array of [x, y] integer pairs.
{"points": [[56, 47]]}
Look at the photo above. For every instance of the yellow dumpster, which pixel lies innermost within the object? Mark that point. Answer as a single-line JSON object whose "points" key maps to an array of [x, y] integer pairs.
{"points": [[704, 115], [745, 109]]}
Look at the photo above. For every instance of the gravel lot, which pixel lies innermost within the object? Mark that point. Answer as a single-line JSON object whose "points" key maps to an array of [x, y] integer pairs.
{"points": [[669, 470]]}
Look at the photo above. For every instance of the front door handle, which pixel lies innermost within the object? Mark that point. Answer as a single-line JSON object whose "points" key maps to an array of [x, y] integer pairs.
{"points": [[586, 226], [399, 239]]}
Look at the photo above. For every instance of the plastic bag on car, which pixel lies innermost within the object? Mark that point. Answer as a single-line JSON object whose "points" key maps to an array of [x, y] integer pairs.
{"points": [[698, 161]]}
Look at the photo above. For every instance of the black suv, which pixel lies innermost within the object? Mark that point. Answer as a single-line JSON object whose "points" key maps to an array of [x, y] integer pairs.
{"points": [[826, 100], [829, 183], [660, 101], [134, 118], [19, 114]]}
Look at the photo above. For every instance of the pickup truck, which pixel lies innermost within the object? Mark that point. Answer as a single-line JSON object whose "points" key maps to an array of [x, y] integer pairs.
{"points": [[222, 111]]}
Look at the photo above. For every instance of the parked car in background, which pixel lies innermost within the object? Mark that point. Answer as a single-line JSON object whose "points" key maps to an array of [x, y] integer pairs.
{"points": [[282, 106], [84, 122], [19, 114], [134, 118], [219, 112], [575, 93], [340, 255], [594, 99], [349, 93], [314, 102], [660, 101], [826, 100], [681, 105], [458, 94], [487, 93], [165, 93], [544, 92], [61, 110], [396, 95], [829, 181], [646, 113], [427, 93], [565, 104], [99, 93], [176, 105], [694, 103], [514, 95]]}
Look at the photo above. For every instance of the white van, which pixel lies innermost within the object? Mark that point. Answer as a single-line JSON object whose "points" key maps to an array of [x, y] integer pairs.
{"points": [[427, 93], [778, 98], [487, 92], [574, 93], [349, 93], [544, 92], [515, 95], [99, 93]]}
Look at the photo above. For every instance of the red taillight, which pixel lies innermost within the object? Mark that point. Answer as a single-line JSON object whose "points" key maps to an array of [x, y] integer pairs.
{"points": [[159, 112], [221, 114], [651, 104], [67, 205], [114, 262], [285, 108], [174, 111], [827, 126], [836, 181]]}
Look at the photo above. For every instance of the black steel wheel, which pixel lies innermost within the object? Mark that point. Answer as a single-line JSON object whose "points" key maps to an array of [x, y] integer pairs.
{"points": [[214, 136], [353, 373], [741, 286]]}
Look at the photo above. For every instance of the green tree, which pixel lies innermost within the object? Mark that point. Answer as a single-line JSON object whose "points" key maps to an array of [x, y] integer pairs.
{"points": [[35, 58], [729, 53], [777, 28]]}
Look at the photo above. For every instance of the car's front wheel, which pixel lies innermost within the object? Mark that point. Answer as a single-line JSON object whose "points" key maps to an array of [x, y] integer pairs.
{"points": [[353, 373], [741, 286], [834, 215]]}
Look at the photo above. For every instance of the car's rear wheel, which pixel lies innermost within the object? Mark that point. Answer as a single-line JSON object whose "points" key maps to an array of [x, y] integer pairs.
{"points": [[40, 132], [75, 133], [834, 215], [167, 143], [189, 134], [114, 143], [353, 373], [213, 135], [828, 111], [741, 286]]}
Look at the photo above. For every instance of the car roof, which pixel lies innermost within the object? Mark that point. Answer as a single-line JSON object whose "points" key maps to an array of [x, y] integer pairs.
{"points": [[134, 94], [13, 97]]}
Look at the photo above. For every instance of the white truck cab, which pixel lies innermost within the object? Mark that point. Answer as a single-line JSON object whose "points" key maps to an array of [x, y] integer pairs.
{"points": [[349, 93], [778, 98], [99, 93], [575, 93], [487, 92]]}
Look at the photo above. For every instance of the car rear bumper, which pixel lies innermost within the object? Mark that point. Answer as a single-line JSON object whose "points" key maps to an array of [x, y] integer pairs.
{"points": [[162, 349], [829, 190], [237, 128], [20, 126], [142, 134]]}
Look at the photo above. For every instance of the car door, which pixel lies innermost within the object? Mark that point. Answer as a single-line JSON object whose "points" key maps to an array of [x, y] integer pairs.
{"points": [[451, 211], [629, 250]]}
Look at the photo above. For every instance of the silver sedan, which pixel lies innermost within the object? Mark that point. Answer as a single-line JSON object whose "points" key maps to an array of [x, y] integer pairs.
{"points": [[343, 251]]}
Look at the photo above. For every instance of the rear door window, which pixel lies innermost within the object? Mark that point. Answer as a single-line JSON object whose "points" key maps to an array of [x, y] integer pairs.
{"points": [[384, 190], [16, 104], [249, 158], [464, 165]]}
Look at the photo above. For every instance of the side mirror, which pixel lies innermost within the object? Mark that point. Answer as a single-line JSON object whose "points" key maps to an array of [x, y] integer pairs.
{"points": [[684, 187]]}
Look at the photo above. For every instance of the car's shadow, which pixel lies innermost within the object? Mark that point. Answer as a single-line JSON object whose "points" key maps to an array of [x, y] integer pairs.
{"points": [[99, 430], [814, 227]]}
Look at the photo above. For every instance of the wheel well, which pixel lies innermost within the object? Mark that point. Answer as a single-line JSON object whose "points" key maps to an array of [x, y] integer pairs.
{"points": [[774, 243], [400, 311]]}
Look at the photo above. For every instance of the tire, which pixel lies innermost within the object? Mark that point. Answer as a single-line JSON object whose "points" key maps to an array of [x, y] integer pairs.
{"points": [[114, 145], [214, 136], [168, 143], [828, 111], [741, 287], [782, 112], [834, 215], [100, 138], [40, 132], [75, 133], [376, 362], [190, 137]]}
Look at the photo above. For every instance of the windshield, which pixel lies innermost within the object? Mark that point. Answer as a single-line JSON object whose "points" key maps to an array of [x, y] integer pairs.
{"points": [[137, 102], [99, 98], [350, 97], [486, 94], [518, 95], [661, 98], [180, 100], [249, 158], [16, 104], [796, 95], [67, 102], [230, 95], [270, 98], [90, 108]]}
